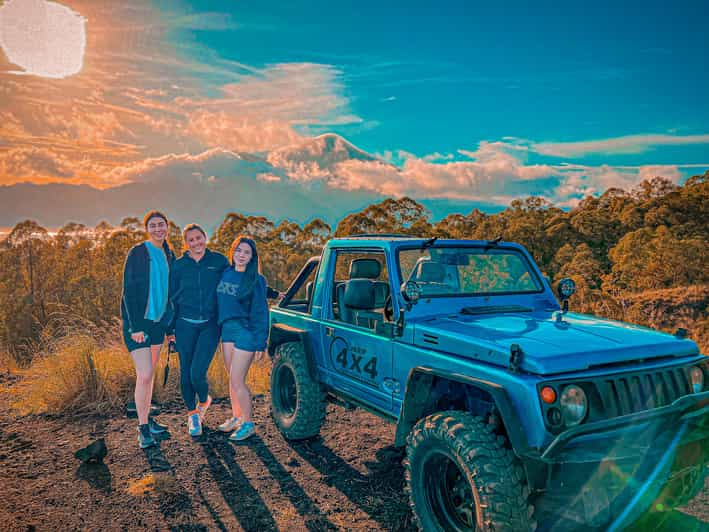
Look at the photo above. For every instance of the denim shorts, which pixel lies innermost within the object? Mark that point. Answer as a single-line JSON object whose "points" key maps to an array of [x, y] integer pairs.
{"points": [[154, 332], [237, 332]]}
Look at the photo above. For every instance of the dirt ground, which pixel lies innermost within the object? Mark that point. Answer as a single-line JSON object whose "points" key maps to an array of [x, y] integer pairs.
{"points": [[351, 478]]}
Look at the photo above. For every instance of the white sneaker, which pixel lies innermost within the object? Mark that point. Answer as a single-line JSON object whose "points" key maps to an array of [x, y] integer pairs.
{"points": [[194, 425], [203, 409], [230, 424]]}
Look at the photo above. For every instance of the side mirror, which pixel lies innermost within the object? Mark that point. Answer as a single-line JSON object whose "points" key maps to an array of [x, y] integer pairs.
{"points": [[411, 292], [565, 289]]}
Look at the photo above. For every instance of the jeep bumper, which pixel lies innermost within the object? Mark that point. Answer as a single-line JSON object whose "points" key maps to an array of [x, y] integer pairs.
{"points": [[610, 472]]}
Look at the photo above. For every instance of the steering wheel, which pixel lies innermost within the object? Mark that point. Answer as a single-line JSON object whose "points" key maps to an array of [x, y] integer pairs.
{"points": [[389, 308]]}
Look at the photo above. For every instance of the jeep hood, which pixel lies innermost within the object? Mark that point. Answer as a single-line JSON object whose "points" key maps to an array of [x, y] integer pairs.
{"points": [[550, 345]]}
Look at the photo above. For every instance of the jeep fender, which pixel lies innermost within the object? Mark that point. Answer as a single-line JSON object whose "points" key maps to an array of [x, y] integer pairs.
{"points": [[418, 385], [282, 333]]}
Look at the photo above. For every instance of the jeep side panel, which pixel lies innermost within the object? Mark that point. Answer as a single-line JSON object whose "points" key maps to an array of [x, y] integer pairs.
{"points": [[356, 361]]}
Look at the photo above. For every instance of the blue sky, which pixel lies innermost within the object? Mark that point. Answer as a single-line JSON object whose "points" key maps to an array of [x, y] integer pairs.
{"points": [[431, 77]]}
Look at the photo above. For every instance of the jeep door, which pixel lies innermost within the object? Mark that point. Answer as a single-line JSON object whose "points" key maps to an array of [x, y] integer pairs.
{"points": [[355, 346]]}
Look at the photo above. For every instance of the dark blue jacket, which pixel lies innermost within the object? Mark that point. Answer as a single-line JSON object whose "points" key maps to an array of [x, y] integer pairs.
{"points": [[253, 307], [193, 285], [136, 287]]}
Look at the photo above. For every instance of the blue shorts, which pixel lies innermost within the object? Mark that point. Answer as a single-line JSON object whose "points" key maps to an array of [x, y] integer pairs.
{"points": [[237, 332]]}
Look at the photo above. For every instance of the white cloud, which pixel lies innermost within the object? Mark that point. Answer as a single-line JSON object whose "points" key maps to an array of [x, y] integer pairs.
{"points": [[616, 145]]}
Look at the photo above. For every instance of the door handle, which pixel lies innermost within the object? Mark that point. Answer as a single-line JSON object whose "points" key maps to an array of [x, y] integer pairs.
{"points": [[329, 331]]}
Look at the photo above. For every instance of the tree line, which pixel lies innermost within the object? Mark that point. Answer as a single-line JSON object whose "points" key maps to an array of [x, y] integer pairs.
{"points": [[615, 246]]}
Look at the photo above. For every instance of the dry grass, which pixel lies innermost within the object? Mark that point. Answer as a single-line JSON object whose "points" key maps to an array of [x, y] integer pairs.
{"points": [[81, 374], [258, 378], [8, 363], [77, 375]]}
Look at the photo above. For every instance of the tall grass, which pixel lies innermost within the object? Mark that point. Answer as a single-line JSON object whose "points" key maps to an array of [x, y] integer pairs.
{"points": [[91, 372], [8, 363]]}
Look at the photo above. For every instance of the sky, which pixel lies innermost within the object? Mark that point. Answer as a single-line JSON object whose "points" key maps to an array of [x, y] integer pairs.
{"points": [[462, 102]]}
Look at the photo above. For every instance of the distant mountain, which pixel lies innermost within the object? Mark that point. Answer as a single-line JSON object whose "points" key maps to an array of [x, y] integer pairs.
{"points": [[319, 154], [297, 182]]}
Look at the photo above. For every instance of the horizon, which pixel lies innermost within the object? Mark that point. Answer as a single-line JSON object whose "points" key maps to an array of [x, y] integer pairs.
{"points": [[210, 107]]}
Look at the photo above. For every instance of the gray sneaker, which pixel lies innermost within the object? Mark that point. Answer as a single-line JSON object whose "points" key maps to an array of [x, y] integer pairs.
{"points": [[230, 424]]}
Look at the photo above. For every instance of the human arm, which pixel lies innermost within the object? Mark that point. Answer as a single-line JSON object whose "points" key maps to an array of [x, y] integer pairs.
{"points": [[173, 294], [258, 318], [272, 293], [129, 295]]}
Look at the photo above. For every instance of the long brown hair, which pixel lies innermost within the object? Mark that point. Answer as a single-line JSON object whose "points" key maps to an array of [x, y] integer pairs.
{"points": [[253, 268]]}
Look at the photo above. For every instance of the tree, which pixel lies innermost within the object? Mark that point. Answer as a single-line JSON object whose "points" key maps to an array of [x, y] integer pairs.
{"points": [[404, 216], [650, 259]]}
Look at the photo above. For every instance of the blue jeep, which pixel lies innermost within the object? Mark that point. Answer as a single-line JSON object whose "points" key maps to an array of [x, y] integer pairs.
{"points": [[515, 413]]}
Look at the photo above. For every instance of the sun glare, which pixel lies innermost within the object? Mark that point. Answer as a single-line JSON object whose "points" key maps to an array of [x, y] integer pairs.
{"points": [[45, 39]]}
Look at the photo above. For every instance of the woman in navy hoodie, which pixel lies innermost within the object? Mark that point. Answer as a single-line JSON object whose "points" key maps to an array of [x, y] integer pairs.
{"points": [[243, 315], [146, 314], [193, 291]]}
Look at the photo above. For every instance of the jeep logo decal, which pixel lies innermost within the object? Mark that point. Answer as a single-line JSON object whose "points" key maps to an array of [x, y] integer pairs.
{"points": [[352, 360]]}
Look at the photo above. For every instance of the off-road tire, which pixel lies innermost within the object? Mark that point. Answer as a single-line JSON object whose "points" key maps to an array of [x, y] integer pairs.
{"points": [[467, 446], [297, 400]]}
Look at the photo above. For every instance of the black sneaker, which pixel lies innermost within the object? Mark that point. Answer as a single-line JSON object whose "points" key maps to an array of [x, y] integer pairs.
{"points": [[155, 427], [145, 439]]}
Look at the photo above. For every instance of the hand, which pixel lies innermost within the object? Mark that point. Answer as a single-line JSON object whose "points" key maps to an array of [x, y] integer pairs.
{"points": [[170, 338], [138, 337], [258, 356]]}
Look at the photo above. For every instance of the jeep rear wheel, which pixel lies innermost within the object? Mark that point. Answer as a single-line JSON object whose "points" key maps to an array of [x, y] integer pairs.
{"points": [[460, 476], [297, 400]]}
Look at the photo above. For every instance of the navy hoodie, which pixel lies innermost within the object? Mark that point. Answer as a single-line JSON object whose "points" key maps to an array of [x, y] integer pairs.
{"points": [[252, 308]]}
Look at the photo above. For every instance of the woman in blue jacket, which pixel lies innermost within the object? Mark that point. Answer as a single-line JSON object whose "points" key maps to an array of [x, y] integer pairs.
{"points": [[146, 315], [193, 291], [243, 315]]}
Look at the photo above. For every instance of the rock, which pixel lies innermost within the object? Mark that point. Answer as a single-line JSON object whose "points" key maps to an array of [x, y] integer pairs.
{"points": [[94, 452]]}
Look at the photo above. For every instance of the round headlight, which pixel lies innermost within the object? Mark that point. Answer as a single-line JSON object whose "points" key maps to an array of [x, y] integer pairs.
{"points": [[696, 377], [566, 288], [573, 405]]}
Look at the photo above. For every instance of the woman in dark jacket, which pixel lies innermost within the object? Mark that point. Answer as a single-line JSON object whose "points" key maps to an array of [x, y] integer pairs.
{"points": [[193, 290], [243, 315], [146, 313]]}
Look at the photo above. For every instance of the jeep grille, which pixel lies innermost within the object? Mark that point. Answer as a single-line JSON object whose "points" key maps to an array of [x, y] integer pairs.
{"points": [[627, 394]]}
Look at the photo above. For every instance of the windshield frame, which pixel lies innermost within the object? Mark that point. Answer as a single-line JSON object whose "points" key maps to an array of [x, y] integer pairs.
{"points": [[514, 250]]}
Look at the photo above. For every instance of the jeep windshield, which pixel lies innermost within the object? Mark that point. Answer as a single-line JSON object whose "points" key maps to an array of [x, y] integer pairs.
{"points": [[468, 271]]}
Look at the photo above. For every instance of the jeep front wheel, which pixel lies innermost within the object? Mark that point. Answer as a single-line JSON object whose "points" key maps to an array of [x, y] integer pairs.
{"points": [[297, 400], [460, 476]]}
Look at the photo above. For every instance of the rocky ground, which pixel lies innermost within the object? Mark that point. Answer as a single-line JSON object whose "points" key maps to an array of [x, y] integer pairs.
{"points": [[351, 478]]}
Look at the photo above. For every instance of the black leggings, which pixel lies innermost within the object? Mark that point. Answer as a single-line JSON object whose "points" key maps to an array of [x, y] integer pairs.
{"points": [[196, 344]]}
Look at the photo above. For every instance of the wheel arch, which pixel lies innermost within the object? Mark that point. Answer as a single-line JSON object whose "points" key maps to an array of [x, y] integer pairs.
{"points": [[282, 333], [421, 399]]}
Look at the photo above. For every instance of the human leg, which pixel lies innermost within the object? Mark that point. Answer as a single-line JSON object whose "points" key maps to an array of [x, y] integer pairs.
{"points": [[144, 376], [228, 349], [240, 363], [205, 347], [155, 426], [186, 336]]}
